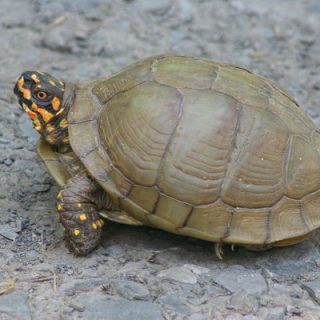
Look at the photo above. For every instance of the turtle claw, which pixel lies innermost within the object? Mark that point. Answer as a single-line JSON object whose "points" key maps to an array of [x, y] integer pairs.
{"points": [[218, 250], [232, 247]]}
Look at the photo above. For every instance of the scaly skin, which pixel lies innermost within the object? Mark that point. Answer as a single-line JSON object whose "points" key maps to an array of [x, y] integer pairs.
{"points": [[77, 206]]}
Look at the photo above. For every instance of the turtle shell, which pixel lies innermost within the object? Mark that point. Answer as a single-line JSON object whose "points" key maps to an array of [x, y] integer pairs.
{"points": [[202, 149]]}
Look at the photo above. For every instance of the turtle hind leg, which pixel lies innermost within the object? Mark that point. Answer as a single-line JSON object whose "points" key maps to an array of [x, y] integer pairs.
{"points": [[77, 205]]}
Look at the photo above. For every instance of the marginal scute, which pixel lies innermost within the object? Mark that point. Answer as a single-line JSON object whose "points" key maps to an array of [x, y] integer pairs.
{"points": [[208, 222], [286, 109], [135, 128], [310, 207], [145, 197], [246, 87], [105, 89], [83, 138], [182, 72], [134, 210], [249, 226], [287, 220], [120, 181], [171, 210], [88, 108], [303, 174], [98, 166]]}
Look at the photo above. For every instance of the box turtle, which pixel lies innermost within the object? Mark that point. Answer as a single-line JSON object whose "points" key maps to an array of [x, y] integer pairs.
{"points": [[194, 147]]}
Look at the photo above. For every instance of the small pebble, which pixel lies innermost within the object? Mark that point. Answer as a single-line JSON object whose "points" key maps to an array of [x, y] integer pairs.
{"points": [[77, 306]]}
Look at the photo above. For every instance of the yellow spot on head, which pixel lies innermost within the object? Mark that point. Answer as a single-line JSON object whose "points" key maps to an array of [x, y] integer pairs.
{"points": [[55, 103], [60, 111], [59, 207], [102, 222], [59, 196], [26, 93], [98, 223], [34, 106], [76, 232], [83, 217], [35, 78], [94, 226]]}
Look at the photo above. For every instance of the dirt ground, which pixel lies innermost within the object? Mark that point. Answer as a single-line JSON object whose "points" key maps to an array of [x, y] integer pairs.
{"points": [[141, 273]]}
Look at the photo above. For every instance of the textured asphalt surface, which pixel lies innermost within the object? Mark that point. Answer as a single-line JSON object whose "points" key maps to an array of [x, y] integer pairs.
{"points": [[142, 273]]}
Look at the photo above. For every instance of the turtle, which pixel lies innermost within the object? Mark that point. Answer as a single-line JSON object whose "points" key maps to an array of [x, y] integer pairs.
{"points": [[194, 147]]}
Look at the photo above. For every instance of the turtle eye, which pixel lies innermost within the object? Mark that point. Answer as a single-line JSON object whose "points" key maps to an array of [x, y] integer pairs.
{"points": [[41, 95]]}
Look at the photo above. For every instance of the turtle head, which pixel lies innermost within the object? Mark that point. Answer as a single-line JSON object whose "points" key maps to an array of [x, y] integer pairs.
{"points": [[41, 97]]}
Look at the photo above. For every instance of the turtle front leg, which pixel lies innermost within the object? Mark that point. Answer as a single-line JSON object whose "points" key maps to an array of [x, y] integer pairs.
{"points": [[77, 205]]}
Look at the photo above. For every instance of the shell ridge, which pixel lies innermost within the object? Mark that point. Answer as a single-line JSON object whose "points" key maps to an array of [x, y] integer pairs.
{"points": [[170, 138], [286, 163], [232, 149]]}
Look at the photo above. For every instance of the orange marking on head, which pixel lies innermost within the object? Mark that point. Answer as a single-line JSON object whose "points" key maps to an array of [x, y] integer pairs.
{"points": [[46, 116], [32, 115], [26, 93], [34, 106], [55, 103]]}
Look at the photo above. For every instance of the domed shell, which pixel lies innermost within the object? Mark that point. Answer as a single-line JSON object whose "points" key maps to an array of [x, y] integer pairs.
{"points": [[200, 148]]}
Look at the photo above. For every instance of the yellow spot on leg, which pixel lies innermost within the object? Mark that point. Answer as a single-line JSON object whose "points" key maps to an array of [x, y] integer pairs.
{"points": [[50, 127], [66, 140], [98, 223], [83, 217], [102, 222], [59, 196], [63, 123], [59, 207], [94, 226], [76, 232], [79, 205]]}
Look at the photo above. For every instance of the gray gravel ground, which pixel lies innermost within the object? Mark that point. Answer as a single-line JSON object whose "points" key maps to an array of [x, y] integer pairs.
{"points": [[141, 273]]}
